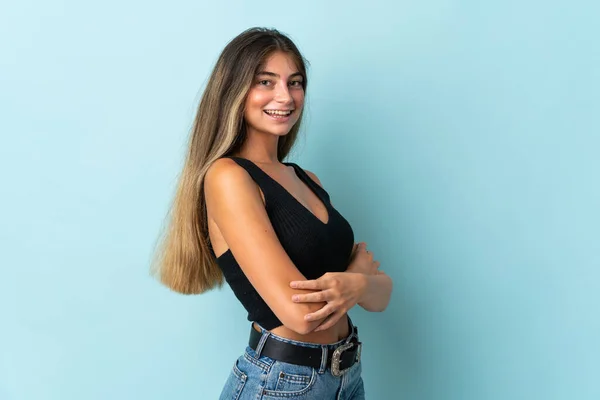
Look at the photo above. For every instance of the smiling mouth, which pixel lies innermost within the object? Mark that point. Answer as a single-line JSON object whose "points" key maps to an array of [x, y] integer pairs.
{"points": [[279, 113]]}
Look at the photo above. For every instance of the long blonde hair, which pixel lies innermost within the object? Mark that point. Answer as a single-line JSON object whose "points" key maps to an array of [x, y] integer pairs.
{"points": [[184, 260]]}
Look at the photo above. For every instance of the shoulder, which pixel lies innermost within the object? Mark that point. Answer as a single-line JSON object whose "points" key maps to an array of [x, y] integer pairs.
{"points": [[225, 171], [313, 177], [225, 177], [223, 167]]}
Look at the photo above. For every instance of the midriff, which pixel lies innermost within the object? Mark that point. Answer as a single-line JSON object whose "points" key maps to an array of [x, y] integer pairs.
{"points": [[337, 332]]}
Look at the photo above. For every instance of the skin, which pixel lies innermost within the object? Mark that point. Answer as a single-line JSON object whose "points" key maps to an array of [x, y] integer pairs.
{"points": [[238, 221]]}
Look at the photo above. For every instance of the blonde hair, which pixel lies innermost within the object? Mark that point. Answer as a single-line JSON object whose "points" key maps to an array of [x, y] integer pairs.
{"points": [[184, 260]]}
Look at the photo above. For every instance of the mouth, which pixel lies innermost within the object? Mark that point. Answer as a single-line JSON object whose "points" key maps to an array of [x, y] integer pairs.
{"points": [[279, 114]]}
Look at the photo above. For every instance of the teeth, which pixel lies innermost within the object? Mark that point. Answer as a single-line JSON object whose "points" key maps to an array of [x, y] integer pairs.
{"points": [[277, 112]]}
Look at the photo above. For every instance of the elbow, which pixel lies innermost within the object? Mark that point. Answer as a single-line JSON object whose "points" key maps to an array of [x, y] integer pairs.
{"points": [[300, 326], [381, 307], [373, 307], [303, 327], [296, 321]]}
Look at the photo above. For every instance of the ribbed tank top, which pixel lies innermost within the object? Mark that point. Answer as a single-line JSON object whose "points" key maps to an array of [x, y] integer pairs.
{"points": [[313, 246]]}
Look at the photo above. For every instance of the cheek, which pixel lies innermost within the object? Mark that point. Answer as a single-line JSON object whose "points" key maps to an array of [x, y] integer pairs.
{"points": [[257, 99], [299, 100], [255, 102]]}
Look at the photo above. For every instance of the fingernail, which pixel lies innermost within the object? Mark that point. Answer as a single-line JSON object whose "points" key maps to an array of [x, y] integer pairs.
{"points": [[295, 297], [293, 284], [307, 317]]}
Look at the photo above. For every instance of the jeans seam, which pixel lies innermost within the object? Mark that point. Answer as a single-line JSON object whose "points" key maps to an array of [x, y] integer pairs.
{"points": [[260, 364]]}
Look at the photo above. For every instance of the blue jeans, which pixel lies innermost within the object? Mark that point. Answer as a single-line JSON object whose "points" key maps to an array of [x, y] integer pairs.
{"points": [[255, 376]]}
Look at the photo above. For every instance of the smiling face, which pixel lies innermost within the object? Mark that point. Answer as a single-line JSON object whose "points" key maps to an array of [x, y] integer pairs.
{"points": [[276, 97]]}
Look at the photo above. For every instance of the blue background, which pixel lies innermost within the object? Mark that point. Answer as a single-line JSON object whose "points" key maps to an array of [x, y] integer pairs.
{"points": [[460, 138]]}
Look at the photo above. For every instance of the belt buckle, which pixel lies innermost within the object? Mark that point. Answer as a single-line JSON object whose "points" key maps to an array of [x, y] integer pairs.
{"points": [[336, 358]]}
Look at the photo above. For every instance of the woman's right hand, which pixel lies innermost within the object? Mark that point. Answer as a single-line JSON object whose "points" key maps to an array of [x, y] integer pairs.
{"points": [[362, 260]]}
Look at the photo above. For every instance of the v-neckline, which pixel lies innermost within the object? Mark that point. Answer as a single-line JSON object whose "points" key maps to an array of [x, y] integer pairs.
{"points": [[300, 176]]}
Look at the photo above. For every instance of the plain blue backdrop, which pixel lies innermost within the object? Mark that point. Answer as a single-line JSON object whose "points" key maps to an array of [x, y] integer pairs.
{"points": [[460, 139]]}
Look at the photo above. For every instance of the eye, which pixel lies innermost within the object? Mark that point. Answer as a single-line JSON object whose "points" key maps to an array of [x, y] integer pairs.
{"points": [[264, 82], [296, 83]]}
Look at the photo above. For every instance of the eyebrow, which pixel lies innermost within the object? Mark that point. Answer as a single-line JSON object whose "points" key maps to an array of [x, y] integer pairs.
{"points": [[277, 75]]}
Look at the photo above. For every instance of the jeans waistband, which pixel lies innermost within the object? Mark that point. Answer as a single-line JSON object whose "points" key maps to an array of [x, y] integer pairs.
{"points": [[352, 328], [326, 349]]}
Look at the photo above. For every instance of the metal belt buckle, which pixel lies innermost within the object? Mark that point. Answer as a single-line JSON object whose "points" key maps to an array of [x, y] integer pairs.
{"points": [[336, 358]]}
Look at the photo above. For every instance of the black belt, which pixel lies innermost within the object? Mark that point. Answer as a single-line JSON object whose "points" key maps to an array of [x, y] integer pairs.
{"points": [[339, 359]]}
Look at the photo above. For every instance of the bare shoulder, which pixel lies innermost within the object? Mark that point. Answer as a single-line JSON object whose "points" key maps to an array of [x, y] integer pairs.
{"points": [[224, 172], [226, 178], [313, 177]]}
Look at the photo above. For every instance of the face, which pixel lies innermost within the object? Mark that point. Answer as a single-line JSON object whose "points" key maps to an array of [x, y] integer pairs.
{"points": [[276, 97]]}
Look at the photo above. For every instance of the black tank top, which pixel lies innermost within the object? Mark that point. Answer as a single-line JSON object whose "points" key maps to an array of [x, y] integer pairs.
{"points": [[313, 246]]}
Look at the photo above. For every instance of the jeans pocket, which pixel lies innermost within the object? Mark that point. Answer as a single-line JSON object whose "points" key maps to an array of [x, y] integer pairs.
{"points": [[287, 380], [234, 384]]}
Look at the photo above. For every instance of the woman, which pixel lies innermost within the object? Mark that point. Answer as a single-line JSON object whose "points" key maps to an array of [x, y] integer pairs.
{"points": [[287, 254]]}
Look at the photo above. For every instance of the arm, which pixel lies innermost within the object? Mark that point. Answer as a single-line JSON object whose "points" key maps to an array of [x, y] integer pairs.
{"points": [[342, 291], [377, 285], [376, 288], [377, 292], [237, 208]]}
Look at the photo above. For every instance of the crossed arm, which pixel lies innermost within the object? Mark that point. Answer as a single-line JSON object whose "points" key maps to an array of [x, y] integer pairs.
{"points": [[235, 204], [361, 284]]}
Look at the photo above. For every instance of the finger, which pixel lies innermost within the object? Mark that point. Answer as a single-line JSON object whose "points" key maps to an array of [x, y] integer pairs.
{"points": [[312, 284], [316, 297], [320, 314], [330, 321]]}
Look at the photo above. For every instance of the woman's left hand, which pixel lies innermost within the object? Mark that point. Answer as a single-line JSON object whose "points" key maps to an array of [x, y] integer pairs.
{"points": [[341, 291]]}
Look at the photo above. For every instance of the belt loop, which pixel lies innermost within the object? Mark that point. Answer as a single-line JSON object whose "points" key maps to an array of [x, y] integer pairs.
{"points": [[324, 354], [353, 331], [261, 342]]}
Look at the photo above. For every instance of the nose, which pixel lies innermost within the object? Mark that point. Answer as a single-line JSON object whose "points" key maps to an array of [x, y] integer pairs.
{"points": [[282, 93]]}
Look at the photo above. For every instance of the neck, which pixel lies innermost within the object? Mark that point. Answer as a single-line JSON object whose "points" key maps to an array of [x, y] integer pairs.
{"points": [[260, 148]]}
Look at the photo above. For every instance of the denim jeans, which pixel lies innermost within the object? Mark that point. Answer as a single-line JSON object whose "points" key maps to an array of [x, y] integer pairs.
{"points": [[255, 376]]}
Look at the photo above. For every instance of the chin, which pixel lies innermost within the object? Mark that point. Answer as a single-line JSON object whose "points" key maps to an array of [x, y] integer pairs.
{"points": [[282, 133], [277, 132]]}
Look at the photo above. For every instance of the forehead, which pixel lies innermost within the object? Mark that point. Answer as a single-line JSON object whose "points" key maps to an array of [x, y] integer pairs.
{"points": [[279, 62]]}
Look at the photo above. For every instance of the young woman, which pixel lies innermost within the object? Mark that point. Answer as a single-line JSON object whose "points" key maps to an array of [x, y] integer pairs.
{"points": [[268, 227]]}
